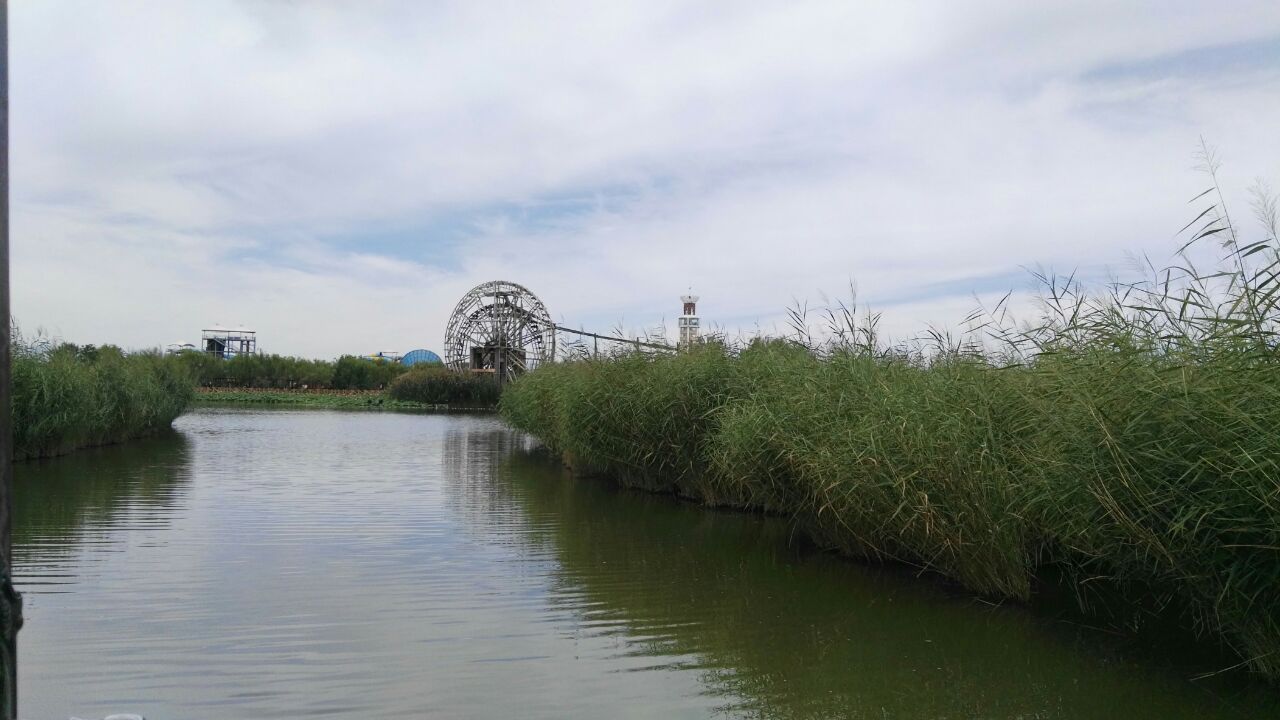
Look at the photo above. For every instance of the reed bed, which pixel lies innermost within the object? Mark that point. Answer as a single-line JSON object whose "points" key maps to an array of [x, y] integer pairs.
{"points": [[438, 385], [66, 397], [1129, 438]]}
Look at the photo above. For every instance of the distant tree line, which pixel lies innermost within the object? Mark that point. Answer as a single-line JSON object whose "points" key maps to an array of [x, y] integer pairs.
{"points": [[280, 371]]}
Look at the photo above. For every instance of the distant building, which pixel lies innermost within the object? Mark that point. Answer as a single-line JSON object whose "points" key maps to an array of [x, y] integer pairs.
{"points": [[226, 343], [689, 322]]}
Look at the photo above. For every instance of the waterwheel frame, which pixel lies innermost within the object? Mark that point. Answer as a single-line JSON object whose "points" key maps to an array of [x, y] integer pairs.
{"points": [[499, 328]]}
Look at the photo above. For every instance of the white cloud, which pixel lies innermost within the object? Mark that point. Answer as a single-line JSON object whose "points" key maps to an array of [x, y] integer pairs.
{"points": [[179, 164]]}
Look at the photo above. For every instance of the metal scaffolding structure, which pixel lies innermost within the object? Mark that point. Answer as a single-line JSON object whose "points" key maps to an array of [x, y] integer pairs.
{"points": [[226, 343]]}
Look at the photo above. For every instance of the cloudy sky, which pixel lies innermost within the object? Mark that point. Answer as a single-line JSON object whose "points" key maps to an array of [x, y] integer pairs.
{"points": [[338, 174]]}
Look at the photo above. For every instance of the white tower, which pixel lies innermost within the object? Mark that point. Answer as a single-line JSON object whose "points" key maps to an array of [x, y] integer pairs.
{"points": [[689, 322]]}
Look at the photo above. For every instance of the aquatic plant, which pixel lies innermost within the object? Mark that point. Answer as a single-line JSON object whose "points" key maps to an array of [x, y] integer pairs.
{"points": [[66, 397], [1130, 437], [438, 385]]}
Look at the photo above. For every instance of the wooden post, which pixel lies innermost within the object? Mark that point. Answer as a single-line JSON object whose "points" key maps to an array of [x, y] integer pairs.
{"points": [[10, 602]]}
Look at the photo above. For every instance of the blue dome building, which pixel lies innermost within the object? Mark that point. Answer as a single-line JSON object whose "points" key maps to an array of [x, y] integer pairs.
{"points": [[415, 357]]}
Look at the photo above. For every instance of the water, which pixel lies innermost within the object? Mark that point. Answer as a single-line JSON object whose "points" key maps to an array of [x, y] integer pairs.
{"points": [[261, 564]]}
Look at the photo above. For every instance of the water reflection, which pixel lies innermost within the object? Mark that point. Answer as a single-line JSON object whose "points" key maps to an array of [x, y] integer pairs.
{"points": [[287, 563], [472, 454], [67, 506], [780, 632]]}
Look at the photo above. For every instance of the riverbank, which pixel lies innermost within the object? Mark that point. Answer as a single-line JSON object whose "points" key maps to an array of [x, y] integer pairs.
{"points": [[67, 397], [1140, 470], [322, 398]]}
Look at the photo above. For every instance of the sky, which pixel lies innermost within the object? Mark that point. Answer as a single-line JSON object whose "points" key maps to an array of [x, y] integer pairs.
{"points": [[336, 175]]}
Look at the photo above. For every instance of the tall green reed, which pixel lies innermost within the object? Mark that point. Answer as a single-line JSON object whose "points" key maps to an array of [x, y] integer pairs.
{"points": [[1130, 436], [65, 397], [436, 384]]}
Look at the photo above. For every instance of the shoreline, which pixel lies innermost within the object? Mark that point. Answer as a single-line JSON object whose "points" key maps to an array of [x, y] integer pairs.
{"points": [[322, 399]]}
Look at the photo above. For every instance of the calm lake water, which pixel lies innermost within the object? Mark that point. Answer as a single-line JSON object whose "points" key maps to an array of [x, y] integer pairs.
{"points": [[262, 564]]}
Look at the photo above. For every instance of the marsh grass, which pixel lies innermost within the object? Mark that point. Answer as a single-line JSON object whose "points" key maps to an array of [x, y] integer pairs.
{"points": [[438, 385], [65, 398], [1129, 438]]}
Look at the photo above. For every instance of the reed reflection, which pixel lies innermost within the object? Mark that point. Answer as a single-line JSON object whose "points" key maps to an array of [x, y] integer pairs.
{"points": [[62, 505], [781, 631]]}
